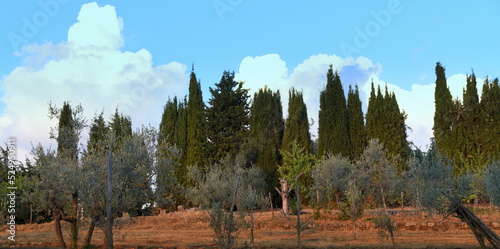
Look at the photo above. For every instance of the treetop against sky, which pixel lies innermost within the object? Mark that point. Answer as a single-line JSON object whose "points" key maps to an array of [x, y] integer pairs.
{"points": [[134, 55]]}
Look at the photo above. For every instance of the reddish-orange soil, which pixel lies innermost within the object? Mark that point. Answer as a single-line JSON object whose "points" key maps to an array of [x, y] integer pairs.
{"points": [[190, 229]]}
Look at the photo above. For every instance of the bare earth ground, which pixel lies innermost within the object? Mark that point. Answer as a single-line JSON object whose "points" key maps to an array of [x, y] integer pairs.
{"points": [[190, 229]]}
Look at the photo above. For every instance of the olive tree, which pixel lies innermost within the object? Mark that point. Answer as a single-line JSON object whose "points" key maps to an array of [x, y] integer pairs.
{"points": [[132, 167], [330, 178], [442, 190], [215, 189], [492, 181]]}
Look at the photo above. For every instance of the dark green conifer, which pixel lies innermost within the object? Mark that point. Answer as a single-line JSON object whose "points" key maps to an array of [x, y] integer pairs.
{"points": [[333, 133], [195, 123], [297, 123], [266, 134], [227, 118], [357, 130], [443, 115]]}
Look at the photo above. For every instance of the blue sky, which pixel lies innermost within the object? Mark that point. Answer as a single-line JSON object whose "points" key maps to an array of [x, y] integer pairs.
{"points": [[275, 43]]}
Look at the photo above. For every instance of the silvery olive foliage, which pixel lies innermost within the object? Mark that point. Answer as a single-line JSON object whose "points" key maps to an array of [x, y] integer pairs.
{"points": [[330, 176], [492, 181]]}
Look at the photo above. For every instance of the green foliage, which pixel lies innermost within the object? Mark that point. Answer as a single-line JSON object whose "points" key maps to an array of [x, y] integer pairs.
{"points": [[216, 188], [467, 132], [297, 123], [330, 177], [297, 161], [492, 181], [173, 131], [440, 188], [266, 134], [333, 132], [167, 187], [357, 129], [132, 166], [223, 225], [377, 172], [227, 118], [251, 200], [443, 116], [121, 125], [385, 122], [217, 184], [386, 227], [98, 132], [352, 207], [489, 133], [195, 123]]}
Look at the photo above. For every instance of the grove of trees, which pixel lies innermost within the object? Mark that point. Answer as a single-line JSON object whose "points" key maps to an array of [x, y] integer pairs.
{"points": [[242, 150]]}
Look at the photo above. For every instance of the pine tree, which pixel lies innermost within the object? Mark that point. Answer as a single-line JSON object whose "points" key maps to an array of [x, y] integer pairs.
{"points": [[357, 130], [266, 134], [443, 116], [227, 118], [297, 123], [333, 133], [195, 122]]}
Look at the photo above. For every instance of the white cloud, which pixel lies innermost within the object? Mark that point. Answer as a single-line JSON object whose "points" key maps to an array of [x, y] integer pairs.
{"points": [[87, 69]]}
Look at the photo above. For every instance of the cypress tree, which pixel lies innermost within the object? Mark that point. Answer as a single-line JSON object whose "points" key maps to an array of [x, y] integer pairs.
{"points": [[266, 134], [297, 123], [227, 118], [357, 130], [333, 133], [471, 121], [121, 125], [489, 130], [370, 113], [395, 139], [443, 115], [67, 140], [173, 131], [168, 122], [181, 133], [195, 122], [385, 121], [98, 131]]}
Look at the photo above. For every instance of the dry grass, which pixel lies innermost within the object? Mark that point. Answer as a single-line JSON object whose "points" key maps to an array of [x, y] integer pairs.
{"points": [[189, 229]]}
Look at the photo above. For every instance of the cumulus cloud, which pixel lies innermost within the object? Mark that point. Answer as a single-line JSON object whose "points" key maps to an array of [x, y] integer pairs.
{"points": [[89, 69]]}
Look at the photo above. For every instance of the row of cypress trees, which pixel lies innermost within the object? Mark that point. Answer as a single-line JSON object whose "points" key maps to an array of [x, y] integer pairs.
{"points": [[467, 131]]}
